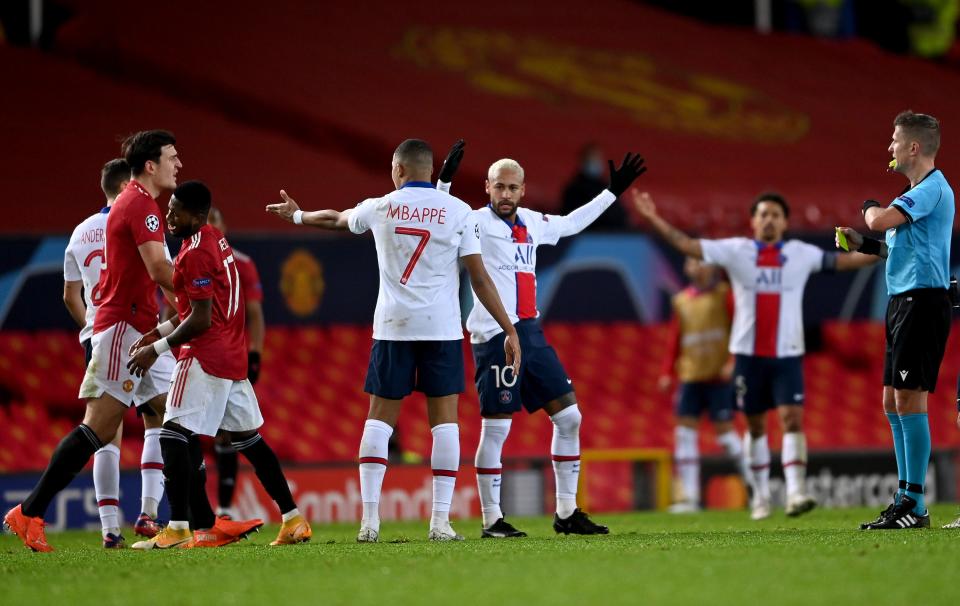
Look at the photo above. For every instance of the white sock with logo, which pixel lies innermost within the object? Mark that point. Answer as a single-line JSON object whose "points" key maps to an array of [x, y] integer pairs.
{"points": [[757, 454], [493, 434], [565, 452], [373, 466], [794, 459], [686, 457], [445, 461], [106, 485], [151, 472]]}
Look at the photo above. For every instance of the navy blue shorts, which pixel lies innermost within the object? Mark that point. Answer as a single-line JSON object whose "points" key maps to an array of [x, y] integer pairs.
{"points": [[542, 378], [398, 368], [715, 398], [762, 383]]}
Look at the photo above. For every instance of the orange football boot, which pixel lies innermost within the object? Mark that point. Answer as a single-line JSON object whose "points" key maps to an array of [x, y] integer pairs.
{"points": [[223, 533], [30, 530], [293, 531]]}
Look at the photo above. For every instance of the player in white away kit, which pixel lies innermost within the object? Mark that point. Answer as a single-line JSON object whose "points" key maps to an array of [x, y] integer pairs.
{"points": [[509, 237], [768, 275], [420, 234], [81, 275]]}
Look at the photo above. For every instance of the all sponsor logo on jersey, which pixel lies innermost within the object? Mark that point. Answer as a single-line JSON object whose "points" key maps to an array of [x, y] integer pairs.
{"points": [[769, 277], [524, 254], [153, 223]]}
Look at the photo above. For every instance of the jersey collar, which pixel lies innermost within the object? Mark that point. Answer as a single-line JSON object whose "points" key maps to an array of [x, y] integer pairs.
{"points": [[762, 245], [519, 221], [417, 184], [104, 210]]}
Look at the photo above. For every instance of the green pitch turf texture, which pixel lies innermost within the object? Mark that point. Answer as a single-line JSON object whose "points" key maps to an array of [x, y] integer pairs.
{"points": [[650, 558]]}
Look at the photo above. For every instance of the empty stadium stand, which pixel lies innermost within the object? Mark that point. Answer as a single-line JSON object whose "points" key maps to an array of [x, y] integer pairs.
{"points": [[308, 99]]}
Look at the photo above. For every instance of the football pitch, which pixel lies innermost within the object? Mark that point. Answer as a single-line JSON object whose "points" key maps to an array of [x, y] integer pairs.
{"points": [[650, 558]]}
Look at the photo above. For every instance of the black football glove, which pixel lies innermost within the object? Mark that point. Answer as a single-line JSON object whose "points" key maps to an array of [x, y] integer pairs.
{"points": [[253, 366], [621, 178], [452, 163]]}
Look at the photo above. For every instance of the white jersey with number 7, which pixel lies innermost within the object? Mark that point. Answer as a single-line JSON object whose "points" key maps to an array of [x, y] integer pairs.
{"points": [[420, 234]]}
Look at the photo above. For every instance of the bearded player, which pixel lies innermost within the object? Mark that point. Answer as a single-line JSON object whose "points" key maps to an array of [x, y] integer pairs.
{"points": [[509, 237]]}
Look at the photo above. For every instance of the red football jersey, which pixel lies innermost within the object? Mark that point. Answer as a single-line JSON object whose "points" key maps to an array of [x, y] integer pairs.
{"points": [[249, 277], [206, 268], [128, 293]]}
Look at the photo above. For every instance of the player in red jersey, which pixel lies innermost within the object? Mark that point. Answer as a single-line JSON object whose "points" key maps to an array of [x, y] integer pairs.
{"points": [[252, 292], [210, 390], [135, 263]]}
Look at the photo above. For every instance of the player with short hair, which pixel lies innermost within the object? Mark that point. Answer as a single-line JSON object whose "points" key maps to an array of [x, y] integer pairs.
{"points": [[210, 389], [919, 230], [420, 234], [769, 275], [698, 357], [81, 275], [252, 290], [135, 263], [509, 237]]}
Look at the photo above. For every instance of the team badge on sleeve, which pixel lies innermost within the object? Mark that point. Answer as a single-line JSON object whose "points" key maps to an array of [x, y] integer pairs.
{"points": [[153, 222]]}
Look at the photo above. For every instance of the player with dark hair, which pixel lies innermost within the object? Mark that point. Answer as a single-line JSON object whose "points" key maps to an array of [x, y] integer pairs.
{"points": [[769, 275], [420, 234], [81, 274], [919, 228], [210, 387], [252, 291], [509, 237], [136, 262]]}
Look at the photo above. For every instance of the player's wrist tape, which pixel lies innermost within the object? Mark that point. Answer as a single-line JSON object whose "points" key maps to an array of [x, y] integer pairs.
{"points": [[166, 328], [298, 217], [870, 247], [868, 204], [161, 346]]}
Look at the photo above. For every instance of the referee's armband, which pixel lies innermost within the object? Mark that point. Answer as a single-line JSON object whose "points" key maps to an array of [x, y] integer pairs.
{"points": [[829, 262], [870, 246]]}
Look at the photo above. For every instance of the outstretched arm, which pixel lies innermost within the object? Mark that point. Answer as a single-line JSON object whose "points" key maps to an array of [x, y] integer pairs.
{"points": [[620, 180], [673, 236], [288, 210]]}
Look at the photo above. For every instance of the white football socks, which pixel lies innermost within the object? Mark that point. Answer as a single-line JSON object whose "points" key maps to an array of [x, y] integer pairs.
{"points": [[794, 459], [151, 472], [565, 451], [686, 457], [106, 484], [373, 466], [445, 461], [757, 454], [732, 444], [493, 434]]}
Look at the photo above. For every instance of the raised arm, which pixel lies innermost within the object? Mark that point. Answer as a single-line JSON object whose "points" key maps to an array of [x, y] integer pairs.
{"points": [[288, 210], [881, 219], [620, 180], [673, 236]]}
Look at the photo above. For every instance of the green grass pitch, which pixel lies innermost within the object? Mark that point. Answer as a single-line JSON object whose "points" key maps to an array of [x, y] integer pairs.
{"points": [[650, 558]]}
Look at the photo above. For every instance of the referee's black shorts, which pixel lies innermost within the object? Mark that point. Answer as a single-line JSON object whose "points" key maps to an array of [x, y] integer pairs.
{"points": [[918, 324]]}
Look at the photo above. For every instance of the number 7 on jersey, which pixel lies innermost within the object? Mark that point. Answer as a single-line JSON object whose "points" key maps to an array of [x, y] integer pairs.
{"points": [[424, 236]]}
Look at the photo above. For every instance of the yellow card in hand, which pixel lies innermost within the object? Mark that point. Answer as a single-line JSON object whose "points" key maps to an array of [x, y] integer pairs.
{"points": [[842, 240]]}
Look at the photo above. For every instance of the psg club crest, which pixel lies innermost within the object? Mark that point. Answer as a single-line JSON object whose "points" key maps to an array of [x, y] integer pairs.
{"points": [[506, 396]]}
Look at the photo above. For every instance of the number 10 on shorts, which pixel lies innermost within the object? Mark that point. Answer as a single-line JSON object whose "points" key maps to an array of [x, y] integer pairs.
{"points": [[500, 376]]}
